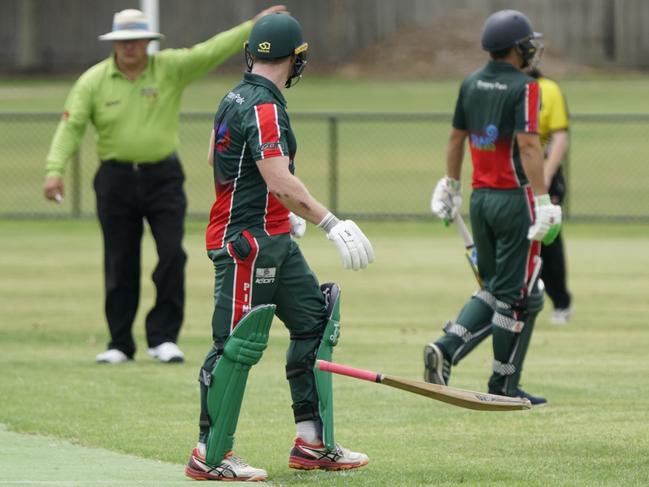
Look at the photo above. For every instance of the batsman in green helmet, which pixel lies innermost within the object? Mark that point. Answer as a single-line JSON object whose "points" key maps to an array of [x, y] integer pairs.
{"points": [[511, 213], [260, 272]]}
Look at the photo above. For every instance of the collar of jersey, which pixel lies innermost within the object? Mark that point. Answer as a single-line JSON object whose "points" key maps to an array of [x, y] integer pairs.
{"points": [[501, 66], [255, 79], [114, 70]]}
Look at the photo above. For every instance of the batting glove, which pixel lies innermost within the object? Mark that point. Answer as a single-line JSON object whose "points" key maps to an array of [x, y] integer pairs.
{"points": [[547, 221], [353, 246], [447, 198], [298, 225]]}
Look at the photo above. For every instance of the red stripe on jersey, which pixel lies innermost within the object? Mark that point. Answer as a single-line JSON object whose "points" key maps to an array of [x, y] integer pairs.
{"points": [[243, 275], [532, 100], [219, 216], [269, 134], [276, 217], [493, 168]]}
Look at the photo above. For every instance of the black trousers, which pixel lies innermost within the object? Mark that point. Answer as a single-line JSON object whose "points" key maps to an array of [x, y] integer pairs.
{"points": [[553, 273], [128, 193]]}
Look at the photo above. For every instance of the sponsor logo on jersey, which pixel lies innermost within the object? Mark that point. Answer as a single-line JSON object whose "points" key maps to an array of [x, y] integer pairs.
{"points": [[265, 275], [487, 141], [264, 47], [151, 94], [235, 97], [269, 145], [489, 85]]}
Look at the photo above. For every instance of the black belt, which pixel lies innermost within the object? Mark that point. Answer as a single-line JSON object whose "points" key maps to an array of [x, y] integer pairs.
{"points": [[136, 166]]}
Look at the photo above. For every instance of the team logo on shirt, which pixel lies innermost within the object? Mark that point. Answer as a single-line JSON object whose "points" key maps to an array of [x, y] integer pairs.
{"points": [[222, 137], [265, 275], [151, 94], [487, 141]]}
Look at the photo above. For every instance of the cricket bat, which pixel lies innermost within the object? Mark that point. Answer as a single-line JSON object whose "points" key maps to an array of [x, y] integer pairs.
{"points": [[479, 401], [469, 246]]}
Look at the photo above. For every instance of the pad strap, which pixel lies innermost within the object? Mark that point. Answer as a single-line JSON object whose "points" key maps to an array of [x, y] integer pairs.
{"points": [[507, 323], [488, 298], [456, 329], [503, 369]]}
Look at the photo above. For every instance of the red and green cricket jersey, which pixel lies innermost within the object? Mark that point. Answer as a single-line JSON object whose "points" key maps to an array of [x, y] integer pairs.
{"points": [[494, 104], [251, 124]]}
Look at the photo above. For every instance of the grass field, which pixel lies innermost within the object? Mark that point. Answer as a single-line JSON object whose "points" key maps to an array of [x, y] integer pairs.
{"points": [[375, 158], [594, 371]]}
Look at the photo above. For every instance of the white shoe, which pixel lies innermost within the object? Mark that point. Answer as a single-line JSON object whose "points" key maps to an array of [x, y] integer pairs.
{"points": [[231, 468], [167, 352], [561, 316], [306, 456], [112, 356]]}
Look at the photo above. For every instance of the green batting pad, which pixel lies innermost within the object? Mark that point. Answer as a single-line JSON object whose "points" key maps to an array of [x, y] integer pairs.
{"points": [[243, 349], [323, 380]]}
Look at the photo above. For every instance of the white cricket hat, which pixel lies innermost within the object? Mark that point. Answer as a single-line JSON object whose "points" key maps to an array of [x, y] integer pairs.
{"points": [[130, 24]]}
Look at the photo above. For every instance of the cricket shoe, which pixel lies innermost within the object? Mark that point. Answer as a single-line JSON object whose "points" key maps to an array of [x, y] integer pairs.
{"points": [[112, 356], [231, 469], [437, 370], [534, 400], [168, 353], [307, 456], [561, 316]]}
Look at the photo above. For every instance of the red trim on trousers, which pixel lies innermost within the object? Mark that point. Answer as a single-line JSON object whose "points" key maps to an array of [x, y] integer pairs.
{"points": [[243, 275]]}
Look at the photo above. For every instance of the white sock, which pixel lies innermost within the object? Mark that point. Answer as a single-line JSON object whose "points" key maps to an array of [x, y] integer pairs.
{"points": [[201, 448], [309, 431]]}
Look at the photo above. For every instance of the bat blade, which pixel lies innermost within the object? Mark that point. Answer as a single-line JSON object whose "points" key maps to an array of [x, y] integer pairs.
{"points": [[478, 401], [457, 397]]}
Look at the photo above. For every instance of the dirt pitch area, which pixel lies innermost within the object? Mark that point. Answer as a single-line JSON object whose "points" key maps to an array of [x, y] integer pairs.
{"points": [[447, 47]]}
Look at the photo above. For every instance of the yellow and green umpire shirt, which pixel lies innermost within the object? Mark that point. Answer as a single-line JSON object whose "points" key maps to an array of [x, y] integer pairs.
{"points": [[553, 115], [250, 125], [137, 120], [495, 103]]}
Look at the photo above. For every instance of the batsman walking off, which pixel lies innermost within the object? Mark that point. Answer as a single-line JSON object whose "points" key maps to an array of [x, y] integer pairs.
{"points": [[511, 212], [259, 269]]}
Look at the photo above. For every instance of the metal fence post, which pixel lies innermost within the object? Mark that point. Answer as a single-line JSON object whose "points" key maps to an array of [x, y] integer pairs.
{"points": [[333, 164], [76, 186]]}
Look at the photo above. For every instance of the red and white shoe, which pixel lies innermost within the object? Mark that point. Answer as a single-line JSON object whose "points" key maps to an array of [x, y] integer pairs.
{"points": [[232, 469], [306, 456]]}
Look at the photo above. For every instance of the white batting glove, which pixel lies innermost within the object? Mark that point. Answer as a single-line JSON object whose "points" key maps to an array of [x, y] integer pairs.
{"points": [[298, 225], [447, 198], [547, 222], [353, 246]]}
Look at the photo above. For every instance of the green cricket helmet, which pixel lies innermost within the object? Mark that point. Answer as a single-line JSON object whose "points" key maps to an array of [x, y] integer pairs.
{"points": [[510, 28], [277, 36]]}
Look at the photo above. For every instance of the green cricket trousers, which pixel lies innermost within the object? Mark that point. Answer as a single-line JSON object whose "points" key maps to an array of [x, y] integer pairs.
{"points": [[500, 220], [260, 269]]}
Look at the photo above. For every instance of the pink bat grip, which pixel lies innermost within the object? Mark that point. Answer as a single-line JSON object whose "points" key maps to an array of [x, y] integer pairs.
{"points": [[349, 371]]}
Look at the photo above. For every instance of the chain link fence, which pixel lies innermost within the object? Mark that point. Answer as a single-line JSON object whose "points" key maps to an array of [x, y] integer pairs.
{"points": [[371, 165]]}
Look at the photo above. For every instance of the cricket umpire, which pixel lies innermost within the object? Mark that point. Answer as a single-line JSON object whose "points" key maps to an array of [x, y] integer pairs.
{"points": [[133, 101], [497, 111], [260, 270]]}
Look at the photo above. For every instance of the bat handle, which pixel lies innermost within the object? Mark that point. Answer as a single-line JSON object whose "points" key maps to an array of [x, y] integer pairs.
{"points": [[348, 371]]}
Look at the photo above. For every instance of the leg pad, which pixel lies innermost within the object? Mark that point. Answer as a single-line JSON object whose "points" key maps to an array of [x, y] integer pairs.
{"points": [[243, 349]]}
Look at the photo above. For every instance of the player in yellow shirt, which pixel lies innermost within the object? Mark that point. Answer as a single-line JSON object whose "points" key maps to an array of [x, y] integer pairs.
{"points": [[553, 127]]}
